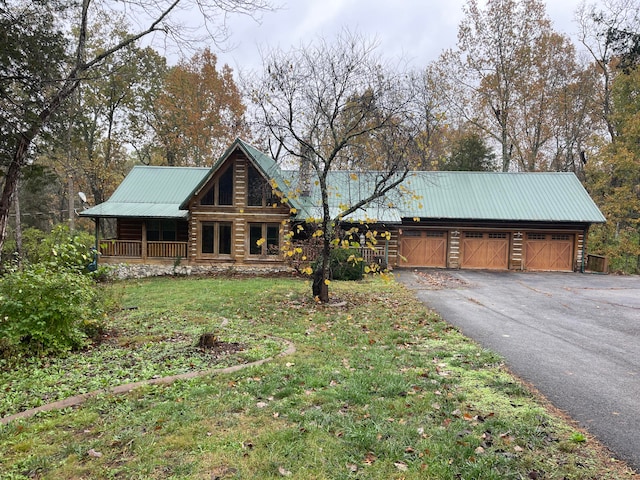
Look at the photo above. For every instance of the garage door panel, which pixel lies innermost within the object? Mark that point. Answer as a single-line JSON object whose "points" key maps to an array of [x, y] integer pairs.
{"points": [[424, 249], [549, 252], [488, 250]]}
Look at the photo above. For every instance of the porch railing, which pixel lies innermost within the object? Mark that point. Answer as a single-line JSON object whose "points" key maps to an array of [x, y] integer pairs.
{"points": [[134, 248], [121, 248], [167, 249], [369, 255]]}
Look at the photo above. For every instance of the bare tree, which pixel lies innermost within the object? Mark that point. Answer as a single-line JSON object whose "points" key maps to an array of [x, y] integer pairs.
{"points": [[598, 30], [71, 22], [327, 103]]}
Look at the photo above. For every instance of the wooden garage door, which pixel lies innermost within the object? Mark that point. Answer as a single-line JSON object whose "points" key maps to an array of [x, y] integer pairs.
{"points": [[549, 252], [488, 250], [424, 248]]}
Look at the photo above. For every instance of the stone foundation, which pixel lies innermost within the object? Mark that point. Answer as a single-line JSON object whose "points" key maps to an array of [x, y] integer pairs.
{"points": [[124, 271]]}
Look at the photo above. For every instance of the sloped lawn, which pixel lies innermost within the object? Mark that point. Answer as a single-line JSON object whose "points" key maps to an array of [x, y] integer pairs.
{"points": [[378, 388]]}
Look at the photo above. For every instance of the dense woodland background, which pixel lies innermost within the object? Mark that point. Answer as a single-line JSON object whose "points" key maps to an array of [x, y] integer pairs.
{"points": [[83, 100]]}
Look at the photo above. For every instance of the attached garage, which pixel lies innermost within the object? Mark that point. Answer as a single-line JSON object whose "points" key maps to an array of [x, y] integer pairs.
{"points": [[548, 251], [487, 250], [496, 221], [424, 248]]}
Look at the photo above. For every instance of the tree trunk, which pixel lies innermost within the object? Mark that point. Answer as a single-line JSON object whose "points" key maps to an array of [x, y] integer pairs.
{"points": [[320, 285], [11, 184], [18, 224]]}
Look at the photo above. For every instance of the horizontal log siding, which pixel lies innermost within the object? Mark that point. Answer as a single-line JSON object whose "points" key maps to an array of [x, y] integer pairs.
{"points": [[129, 229], [453, 254], [580, 252], [238, 214], [517, 262]]}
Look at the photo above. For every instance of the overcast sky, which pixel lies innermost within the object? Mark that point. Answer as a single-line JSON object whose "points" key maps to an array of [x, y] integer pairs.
{"points": [[417, 30]]}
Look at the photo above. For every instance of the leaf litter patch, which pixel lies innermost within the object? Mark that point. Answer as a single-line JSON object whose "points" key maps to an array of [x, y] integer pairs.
{"points": [[439, 280]]}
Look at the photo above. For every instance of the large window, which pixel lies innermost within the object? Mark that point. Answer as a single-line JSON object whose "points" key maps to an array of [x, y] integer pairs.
{"points": [[264, 239], [259, 191], [221, 192], [216, 238], [225, 188], [161, 230]]}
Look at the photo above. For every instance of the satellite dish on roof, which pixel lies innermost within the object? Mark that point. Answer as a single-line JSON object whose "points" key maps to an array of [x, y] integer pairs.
{"points": [[83, 197]]}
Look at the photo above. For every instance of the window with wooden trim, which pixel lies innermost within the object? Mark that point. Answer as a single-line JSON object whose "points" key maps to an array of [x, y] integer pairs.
{"points": [[221, 192], [161, 230], [473, 235], [259, 190], [264, 239], [560, 236], [434, 234], [497, 235], [216, 238]]}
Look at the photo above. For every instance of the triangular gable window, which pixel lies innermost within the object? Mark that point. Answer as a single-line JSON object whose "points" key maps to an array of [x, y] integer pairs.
{"points": [[221, 192], [260, 193]]}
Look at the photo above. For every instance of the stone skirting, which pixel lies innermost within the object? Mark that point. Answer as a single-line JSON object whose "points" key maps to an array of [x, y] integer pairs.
{"points": [[124, 271]]}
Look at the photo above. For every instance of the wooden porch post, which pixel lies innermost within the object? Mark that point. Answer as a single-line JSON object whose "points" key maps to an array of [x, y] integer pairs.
{"points": [[97, 220], [144, 240]]}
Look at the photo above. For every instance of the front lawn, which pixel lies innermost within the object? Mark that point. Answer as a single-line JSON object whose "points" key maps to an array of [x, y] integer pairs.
{"points": [[378, 388]]}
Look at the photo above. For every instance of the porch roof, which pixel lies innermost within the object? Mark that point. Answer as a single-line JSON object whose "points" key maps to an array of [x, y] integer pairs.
{"points": [[150, 192]]}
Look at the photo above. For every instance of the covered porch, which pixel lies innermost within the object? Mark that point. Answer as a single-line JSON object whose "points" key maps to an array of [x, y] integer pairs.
{"points": [[144, 240], [113, 250]]}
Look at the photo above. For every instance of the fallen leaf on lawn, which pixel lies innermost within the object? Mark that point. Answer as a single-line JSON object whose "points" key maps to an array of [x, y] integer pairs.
{"points": [[403, 467], [261, 404], [518, 448], [94, 454], [369, 458], [479, 450], [353, 468], [284, 472]]}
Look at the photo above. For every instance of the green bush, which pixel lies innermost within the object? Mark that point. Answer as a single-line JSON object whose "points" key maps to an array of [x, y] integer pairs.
{"points": [[342, 265], [59, 248], [45, 310]]}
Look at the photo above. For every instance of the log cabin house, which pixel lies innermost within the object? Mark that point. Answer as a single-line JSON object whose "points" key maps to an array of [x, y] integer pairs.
{"points": [[237, 212]]}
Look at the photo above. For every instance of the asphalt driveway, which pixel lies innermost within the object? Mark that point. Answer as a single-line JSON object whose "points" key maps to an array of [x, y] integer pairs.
{"points": [[576, 337]]}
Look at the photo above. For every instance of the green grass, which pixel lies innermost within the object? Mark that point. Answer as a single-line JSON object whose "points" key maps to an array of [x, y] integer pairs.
{"points": [[377, 389]]}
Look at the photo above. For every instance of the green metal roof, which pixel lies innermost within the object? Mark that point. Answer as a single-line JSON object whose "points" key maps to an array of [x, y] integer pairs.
{"points": [[496, 196], [548, 196], [150, 192], [164, 192], [348, 188]]}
